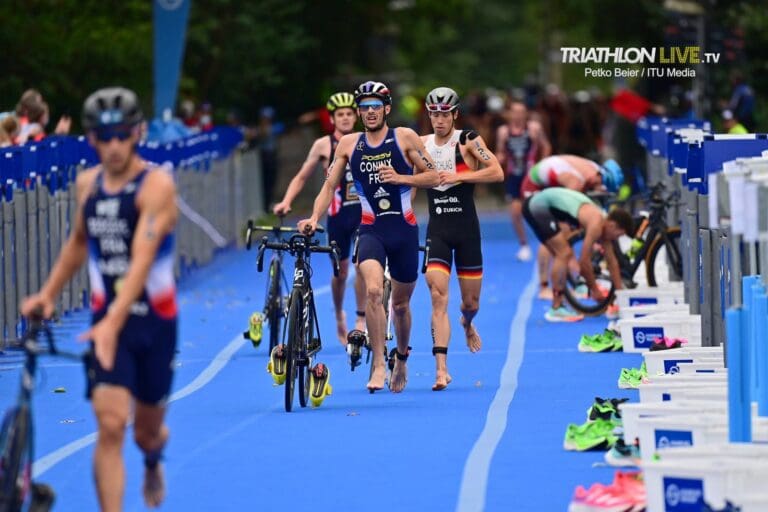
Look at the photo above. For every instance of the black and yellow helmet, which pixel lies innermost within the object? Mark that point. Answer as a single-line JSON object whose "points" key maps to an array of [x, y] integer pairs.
{"points": [[340, 100]]}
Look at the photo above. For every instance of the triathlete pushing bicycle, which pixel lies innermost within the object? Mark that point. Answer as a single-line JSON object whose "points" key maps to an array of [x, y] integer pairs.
{"points": [[385, 163]]}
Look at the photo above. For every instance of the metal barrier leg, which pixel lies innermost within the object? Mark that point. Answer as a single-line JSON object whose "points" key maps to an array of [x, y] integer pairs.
{"points": [[2, 277], [694, 260], [9, 264], [22, 248], [706, 296], [33, 235], [43, 230]]}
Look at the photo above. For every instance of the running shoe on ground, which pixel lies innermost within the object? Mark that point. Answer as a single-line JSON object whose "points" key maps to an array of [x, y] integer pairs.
{"points": [[524, 253], [254, 331], [277, 364], [630, 378], [594, 435], [606, 341], [562, 314], [319, 384], [665, 343], [625, 494], [612, 312], [605, 408], [729, 507], [623, 455], [581, 291]]}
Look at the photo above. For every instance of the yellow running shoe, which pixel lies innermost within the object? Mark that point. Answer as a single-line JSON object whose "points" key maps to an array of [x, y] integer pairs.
{"points": [[254, 328], [277, 364], [319, 384]]}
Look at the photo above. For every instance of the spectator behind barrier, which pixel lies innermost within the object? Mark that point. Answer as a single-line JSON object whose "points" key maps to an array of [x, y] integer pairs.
{"points": [[9, 129], [732, 125]]}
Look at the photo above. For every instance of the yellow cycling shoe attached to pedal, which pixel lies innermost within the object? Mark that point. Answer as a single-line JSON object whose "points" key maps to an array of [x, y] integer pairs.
{"points": [[319, 384], [255, 324], [277, 364]]}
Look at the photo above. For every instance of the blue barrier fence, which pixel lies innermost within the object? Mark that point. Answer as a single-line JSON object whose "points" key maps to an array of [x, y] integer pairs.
{"points": [[218, 188]]}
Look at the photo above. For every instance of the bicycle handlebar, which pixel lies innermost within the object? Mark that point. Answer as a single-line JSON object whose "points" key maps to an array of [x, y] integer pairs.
{"points": [[37, 327], [275, 230], [297, 243]]}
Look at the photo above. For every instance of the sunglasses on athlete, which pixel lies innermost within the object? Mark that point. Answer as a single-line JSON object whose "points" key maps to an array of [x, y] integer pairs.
{"points": [[440, 107], [107, 133], [370, 105]]}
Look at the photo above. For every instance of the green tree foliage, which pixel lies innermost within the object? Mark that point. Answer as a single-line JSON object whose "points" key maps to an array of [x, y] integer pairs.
{"points": [[291, 55]]}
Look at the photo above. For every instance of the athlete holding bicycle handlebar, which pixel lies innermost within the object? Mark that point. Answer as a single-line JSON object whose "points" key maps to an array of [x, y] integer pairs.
{"points": [[385, 164], [344, 210], [123, 227]]}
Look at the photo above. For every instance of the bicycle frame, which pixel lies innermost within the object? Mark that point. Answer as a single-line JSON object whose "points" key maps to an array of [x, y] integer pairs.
{"points": [[18, 431], [301, 281]]}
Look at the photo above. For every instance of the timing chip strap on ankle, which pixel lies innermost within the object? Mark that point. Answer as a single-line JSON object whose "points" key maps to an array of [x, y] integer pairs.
{"points": [[402, 357], [439, 350]]}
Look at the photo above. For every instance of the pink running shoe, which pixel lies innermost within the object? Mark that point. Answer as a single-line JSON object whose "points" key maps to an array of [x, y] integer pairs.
{"points": [[665, 343], [600, 498]]}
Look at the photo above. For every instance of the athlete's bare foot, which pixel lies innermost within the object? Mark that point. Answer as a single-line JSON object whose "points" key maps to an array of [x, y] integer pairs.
{"points": [[341, 327], [399, 377], [378, 378], [442, 380], [473, 338], [154, 486]]}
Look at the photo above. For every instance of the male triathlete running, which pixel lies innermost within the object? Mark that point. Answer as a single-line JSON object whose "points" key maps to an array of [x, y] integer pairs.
{"points": [[545, 210], [575, 173], [123, 227], [344, 211], [462, 159], [385, 162], [520, 143]]}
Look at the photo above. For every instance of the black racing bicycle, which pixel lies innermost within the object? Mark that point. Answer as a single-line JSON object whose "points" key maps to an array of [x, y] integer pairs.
{"points": [[655, 245], [17, 490], [302, 334], [357, 339], [277, 287]]}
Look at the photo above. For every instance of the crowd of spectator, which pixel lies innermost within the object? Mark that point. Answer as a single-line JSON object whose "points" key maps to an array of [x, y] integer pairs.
{"points": [[29, 120]]}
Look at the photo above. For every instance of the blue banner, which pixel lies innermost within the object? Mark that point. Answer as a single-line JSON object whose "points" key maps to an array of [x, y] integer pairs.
{"points": [[170, 26]]}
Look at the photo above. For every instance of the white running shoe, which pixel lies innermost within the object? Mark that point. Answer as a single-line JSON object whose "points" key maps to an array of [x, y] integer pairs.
{"points": [[524, 253], [562, 314]]}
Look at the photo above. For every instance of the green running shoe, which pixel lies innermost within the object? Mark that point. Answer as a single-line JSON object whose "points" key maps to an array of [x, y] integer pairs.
{"points": [[606, 409], [606, 341], [594, 435], [630, 378], [255, 324]]}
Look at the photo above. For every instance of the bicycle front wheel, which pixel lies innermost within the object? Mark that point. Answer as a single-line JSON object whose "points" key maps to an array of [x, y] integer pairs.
{"points": [[293, 346], [306, 363], [664, 261], [576, 291], [14, 470], [274, 304]]}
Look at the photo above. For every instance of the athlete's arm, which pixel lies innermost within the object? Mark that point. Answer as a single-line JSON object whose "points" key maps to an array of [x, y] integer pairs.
{"points": [[72, 256], [335, 172], [613, 264], [317, 154], [593, 228], [424, 170], [157, 217], [486, 163], [540, 138], [501, 144]]}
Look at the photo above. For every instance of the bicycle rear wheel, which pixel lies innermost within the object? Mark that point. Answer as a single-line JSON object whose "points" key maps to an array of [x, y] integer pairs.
{"points": [[576, 292], [664, 261], [14, 458], [292, 347], [274, 304]]}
